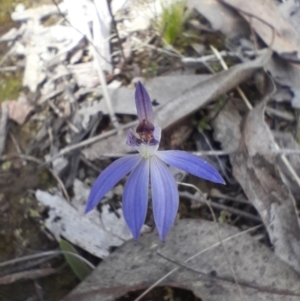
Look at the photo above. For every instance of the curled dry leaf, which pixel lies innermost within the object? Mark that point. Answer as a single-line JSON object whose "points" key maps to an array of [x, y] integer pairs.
{"points": [[289, 9], [271, 25], [286, 74], [287, 141], [222, 18], [255, 168], [136, 266], [18, 110]]}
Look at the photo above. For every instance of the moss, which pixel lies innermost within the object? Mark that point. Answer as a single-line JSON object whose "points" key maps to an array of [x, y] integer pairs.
{"points": [[6, 165], [10, 86], [171, 24], [5, 20], [7, 6]]}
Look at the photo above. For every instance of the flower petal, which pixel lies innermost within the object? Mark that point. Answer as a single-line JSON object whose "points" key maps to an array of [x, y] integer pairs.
{"points": [[109, 177], [145, 149], [157, 134], [135, 198], [192, 164], [143, 103], [133, 141], [165, 199]]}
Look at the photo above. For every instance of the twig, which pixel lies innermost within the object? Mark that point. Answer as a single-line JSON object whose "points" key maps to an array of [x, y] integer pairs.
{"points": [[3, 126], [116, 30], [203, 59], [188, 195], [27, 265], [221, 165], [89, 164], [215, 193], [61, 115], [241, 295], [89, 141], [32, 274], [281, 114], [212, 57], [284, 151], [43, 254], [100, 72], [146, 44], [7, 54], [14, 141], [287, 151], [8, 69], [225, 67], [191, 258], [265, 289]]}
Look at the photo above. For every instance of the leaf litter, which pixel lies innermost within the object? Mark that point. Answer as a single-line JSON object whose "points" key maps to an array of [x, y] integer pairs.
{"points": [[136, 265], [255, 168], [77, 96]]}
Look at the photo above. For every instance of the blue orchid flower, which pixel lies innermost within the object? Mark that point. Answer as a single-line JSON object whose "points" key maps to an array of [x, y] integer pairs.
{"points": [[149, 168]]}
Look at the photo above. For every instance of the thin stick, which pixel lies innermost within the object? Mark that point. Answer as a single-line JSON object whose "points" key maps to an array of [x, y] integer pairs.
{"points": [[15, 142], [89, 141], [100, 72], [191, 258], [212, 57], [100, 137], [43, 254], [221, 206], [241, 295], [31, 274], [225, 67], [265, 289]]}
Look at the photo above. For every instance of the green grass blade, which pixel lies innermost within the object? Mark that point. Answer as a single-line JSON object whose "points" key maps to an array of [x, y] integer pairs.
{"points": [[80, 268]]}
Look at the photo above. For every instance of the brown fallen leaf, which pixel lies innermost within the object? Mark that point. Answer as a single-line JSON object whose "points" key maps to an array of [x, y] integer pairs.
{"points": [[255, 168], [181, 105], [286, 74], [286, 141], [3, 127], [32, 274], [289, 9], [271, 24], [222, 18], [137, 265], [18, 110]]}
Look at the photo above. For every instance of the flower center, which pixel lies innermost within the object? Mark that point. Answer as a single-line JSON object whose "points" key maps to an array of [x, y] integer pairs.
{"points": [[147, 150], [145, 130], [148, 144]]}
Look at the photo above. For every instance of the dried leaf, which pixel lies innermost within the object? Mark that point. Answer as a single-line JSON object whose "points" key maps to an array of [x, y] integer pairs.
{"points": [[136, 266], [199, 95], [287, 75], [286, 141], [289, 9], [18, 110], [255, 168], [37, 13], [274, 28], [221, 17]]}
